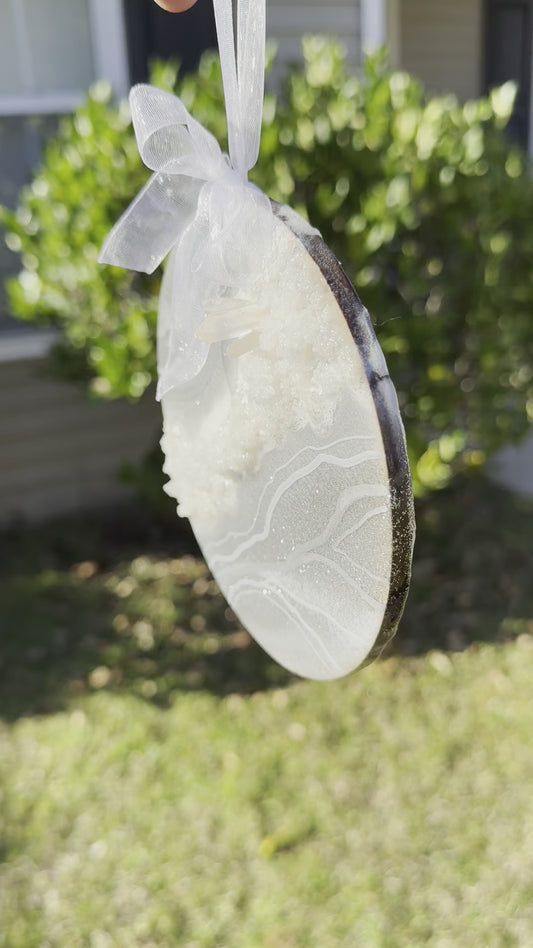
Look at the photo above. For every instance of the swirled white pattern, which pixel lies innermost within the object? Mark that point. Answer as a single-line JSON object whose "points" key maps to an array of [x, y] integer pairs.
{"points": [[278, 459], [309, 571]]}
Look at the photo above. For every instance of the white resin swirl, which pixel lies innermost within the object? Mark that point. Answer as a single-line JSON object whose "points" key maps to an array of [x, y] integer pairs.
{"points": [[274, 452]]}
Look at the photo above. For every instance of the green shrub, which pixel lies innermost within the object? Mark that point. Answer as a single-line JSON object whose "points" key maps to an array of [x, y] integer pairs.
{"points": [[424, 200]]}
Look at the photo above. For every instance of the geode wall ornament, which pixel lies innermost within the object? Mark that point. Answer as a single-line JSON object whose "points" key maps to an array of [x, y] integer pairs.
{"points": [[282, 435]]}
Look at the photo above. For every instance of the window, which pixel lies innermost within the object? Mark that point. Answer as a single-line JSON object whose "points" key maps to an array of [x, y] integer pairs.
{"points": [[154, 34], [45, 54], [50, 52]]}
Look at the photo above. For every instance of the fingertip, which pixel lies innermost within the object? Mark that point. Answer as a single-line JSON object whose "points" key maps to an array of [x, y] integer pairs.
{"points": [[175, 6]]}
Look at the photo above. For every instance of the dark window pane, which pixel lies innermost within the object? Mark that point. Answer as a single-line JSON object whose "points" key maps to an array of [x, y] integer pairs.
{"points": [[155, 34], [508, 56]]}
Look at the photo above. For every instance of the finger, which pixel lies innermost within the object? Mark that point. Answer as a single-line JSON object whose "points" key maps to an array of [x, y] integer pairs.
{"points": [[175, 6]]}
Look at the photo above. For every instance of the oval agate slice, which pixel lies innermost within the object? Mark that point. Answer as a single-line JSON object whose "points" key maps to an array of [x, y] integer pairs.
{"points": [[287, 453]]}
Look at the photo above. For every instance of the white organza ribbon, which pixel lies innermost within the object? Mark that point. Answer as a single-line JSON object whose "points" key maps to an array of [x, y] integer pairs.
{"points": [[199, 201]]}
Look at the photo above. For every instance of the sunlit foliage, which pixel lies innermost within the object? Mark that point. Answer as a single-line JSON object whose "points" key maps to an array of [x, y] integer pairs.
{"points": [[425, 202]]}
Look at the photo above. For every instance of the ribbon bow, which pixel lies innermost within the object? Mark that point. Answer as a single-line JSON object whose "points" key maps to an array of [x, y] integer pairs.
{"points": [[198, 203]]}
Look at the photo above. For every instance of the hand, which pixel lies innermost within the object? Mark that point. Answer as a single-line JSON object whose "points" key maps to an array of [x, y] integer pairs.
{"points": [[175, 6]]}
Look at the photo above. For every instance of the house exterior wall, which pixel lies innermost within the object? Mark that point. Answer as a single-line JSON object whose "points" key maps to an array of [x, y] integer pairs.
{"points": [[59, 451], [288, 20], [442, 44]]}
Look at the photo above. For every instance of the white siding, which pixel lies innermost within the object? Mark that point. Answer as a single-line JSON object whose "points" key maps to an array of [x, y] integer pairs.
{"points": [[441, 43], [289, 20], [59, 451]]}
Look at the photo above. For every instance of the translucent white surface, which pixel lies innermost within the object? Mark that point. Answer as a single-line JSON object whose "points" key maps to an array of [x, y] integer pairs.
{"points": [[275, 453]]}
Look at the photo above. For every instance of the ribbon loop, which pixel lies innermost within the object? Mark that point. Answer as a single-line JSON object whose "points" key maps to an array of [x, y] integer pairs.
{"points": [[198, 200], [168, 137]]}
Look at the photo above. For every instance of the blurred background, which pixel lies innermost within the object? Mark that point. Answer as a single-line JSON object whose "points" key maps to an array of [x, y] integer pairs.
{"points": [[162, 782]]}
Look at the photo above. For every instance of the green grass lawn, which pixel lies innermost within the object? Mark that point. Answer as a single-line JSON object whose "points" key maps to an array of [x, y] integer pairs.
{"points": [[162, 783]]}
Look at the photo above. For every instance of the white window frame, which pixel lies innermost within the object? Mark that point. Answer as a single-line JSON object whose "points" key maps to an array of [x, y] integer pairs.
{"points": [[373, 15], [19, 345], [110, 56], [381, 26]]}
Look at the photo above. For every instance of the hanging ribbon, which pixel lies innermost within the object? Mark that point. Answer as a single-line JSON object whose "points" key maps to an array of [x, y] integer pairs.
{"points": [[199, 203]]}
